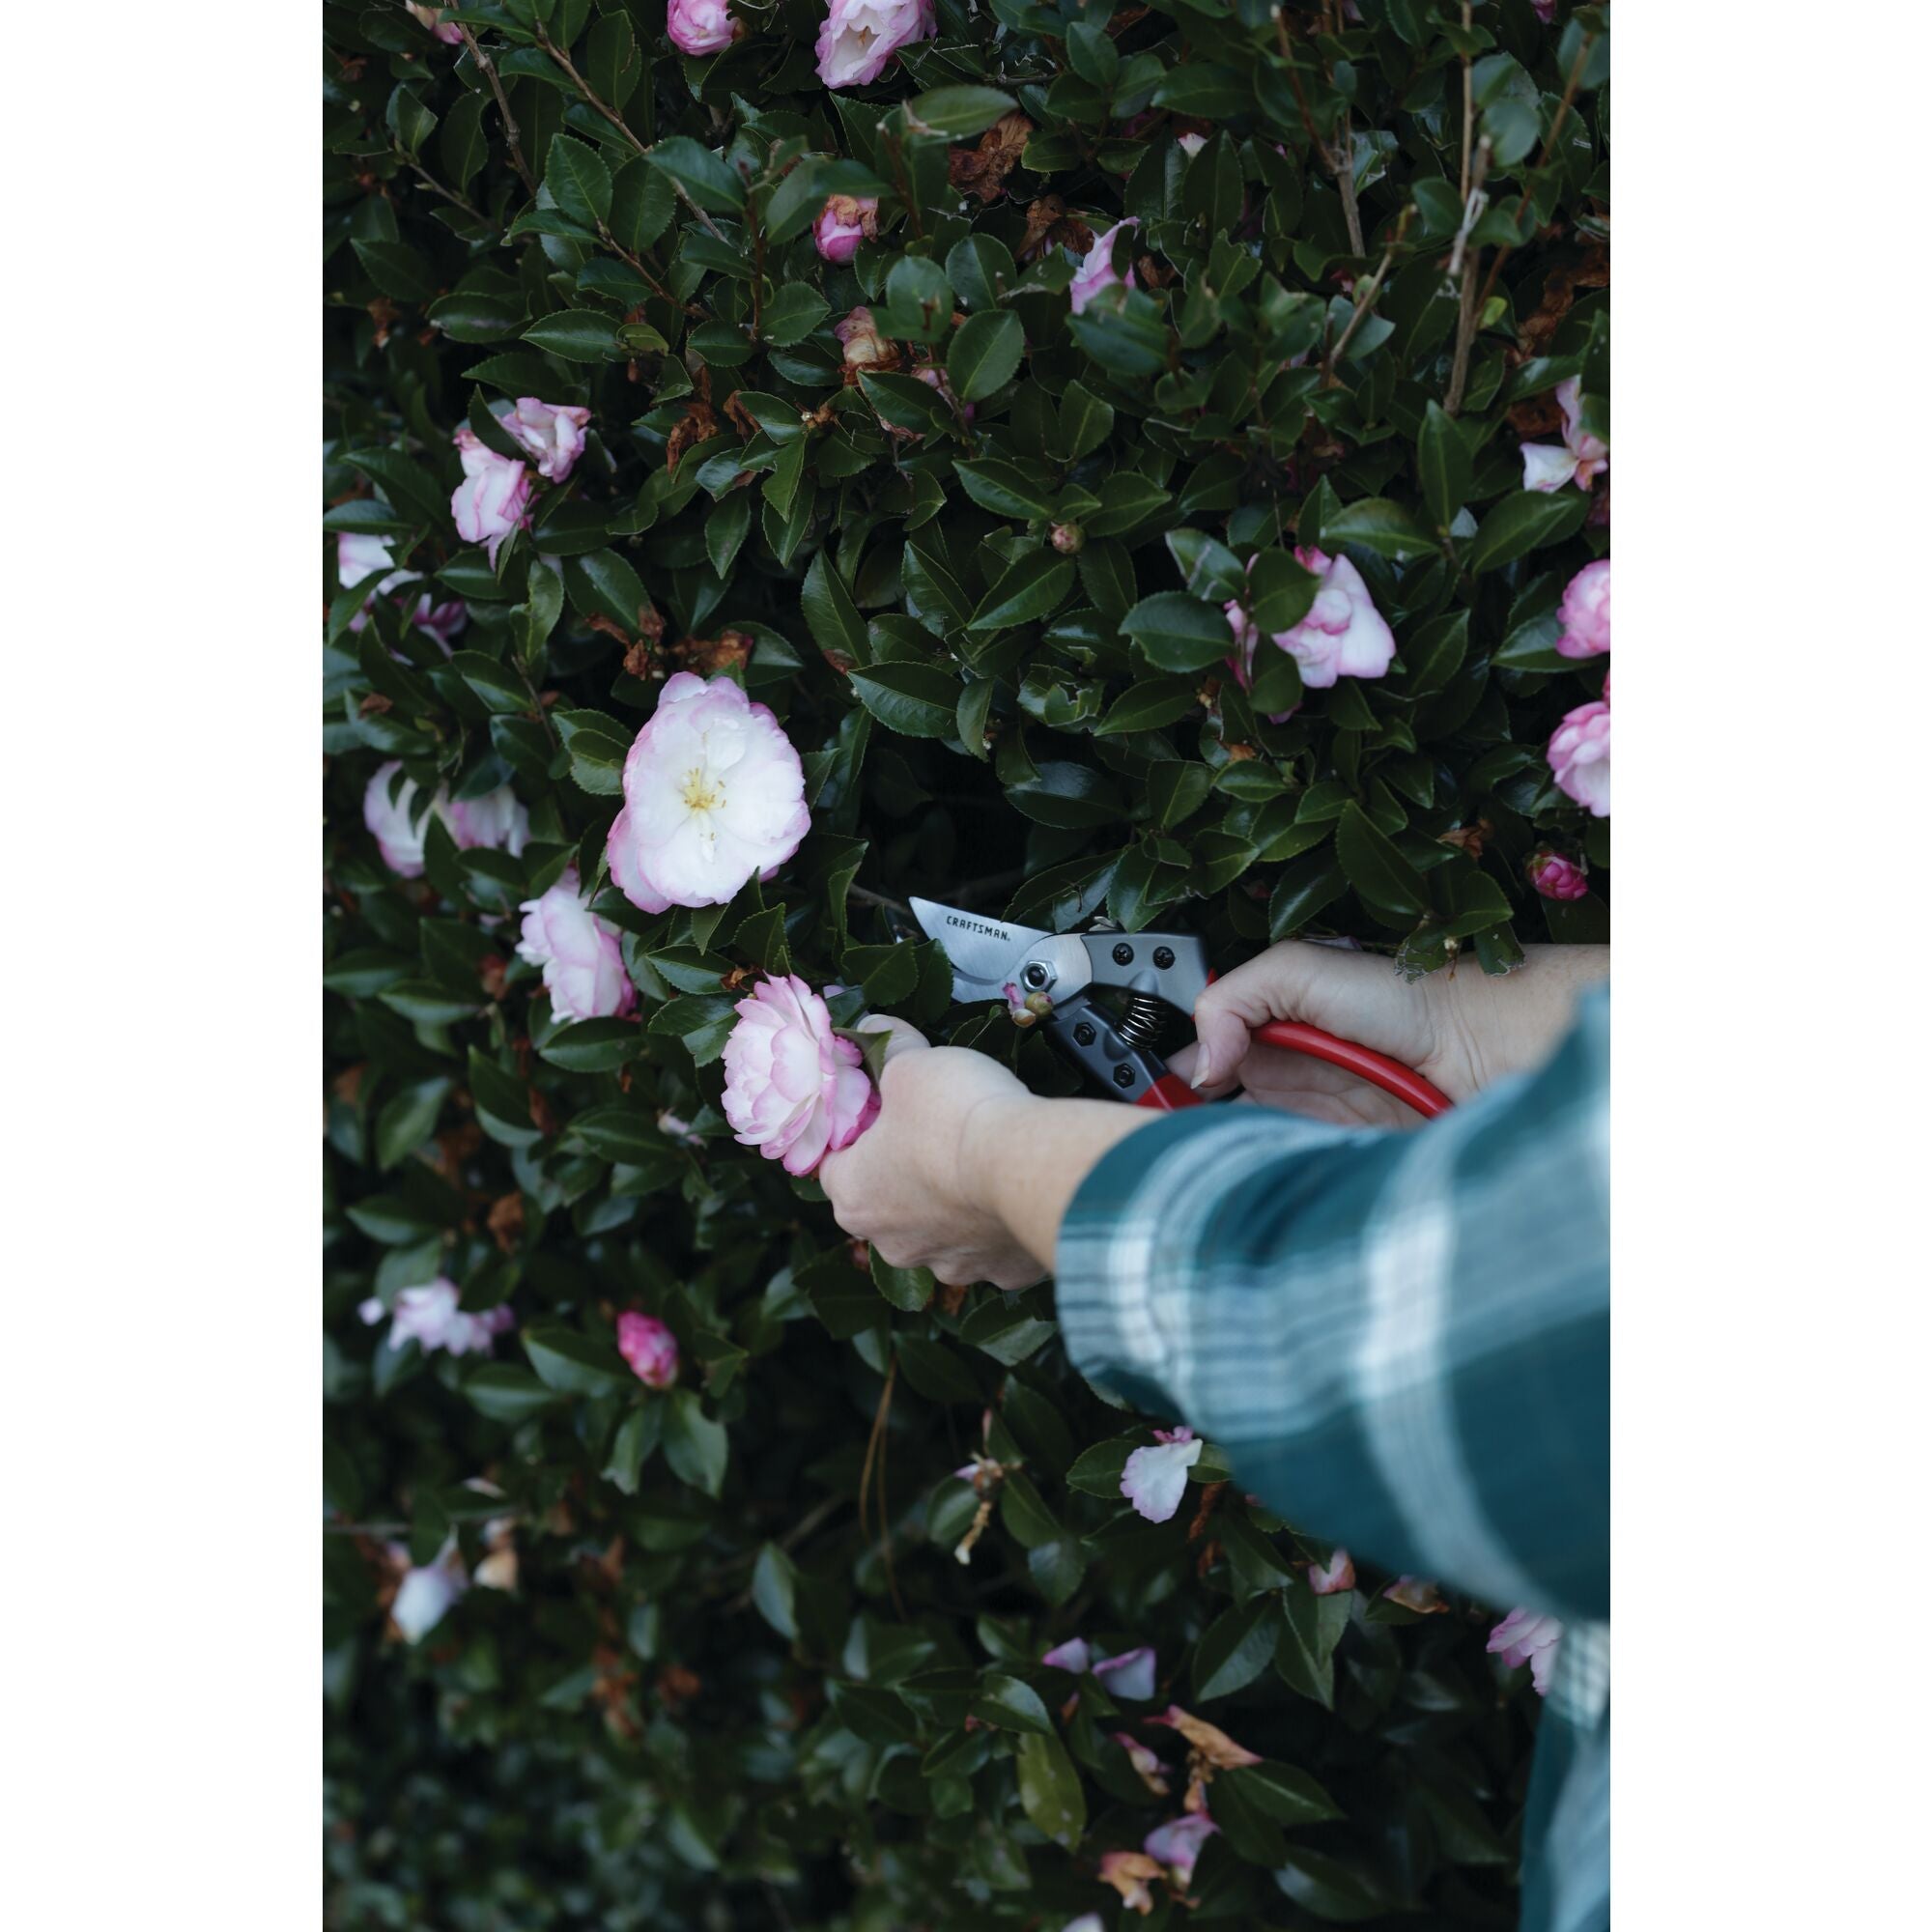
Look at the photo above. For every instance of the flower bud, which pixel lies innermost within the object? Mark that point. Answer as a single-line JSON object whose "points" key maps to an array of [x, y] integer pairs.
{"points": [[1554, 876], [1068, 539]]}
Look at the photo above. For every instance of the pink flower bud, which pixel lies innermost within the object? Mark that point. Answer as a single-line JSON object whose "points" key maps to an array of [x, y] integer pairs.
{"points": [[701, 26], [1068, 539], [713, 794], [1524, 1637], [446, 31], [649, 1347], [793, 1089], [844, 222], [1191, 145], [1096, 270], [1580, 756], [860, 37], [1330, 1578], [1585, 611], [493, 497], [1556, 877], [582, 955]]}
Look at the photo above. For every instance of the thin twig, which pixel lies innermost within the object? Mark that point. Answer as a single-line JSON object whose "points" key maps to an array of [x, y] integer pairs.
{"points": [[1339, 161], [866, 897], [435, 186], [488, 68], [1365, 299], [1462, 260], [637, 263]]}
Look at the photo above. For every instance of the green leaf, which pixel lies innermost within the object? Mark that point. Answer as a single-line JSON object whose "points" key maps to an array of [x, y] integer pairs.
{"points": [[578, 181], [775, 1590], [573, 1363], [1378, 872], [1279, 1791], [792, 314], [1032, 587], [955, 112], [1311, 1627], [506, 1392], [602, 584], [577, 335], [1207, 568], [1051, 1793], [1442, 457], [396, 269], [1234, 1648], [1086, 422], [408, 1119], [1149, 704], [1376, 523], [917, 700], [909, 1290], [1010, 1705], [1005, 489], [696, 1444], [594, 1046], [703, 175], [1526, 521], [643, 201], [985, 353], [1179, 633], [1306, 887], [830, 613]]}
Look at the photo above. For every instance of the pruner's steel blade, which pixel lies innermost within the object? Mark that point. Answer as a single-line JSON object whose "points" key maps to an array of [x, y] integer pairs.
{"points": [[985, 953]]}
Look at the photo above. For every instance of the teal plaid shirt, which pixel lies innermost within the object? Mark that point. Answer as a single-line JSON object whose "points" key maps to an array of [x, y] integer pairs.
{"points": [[1401, 1341]]}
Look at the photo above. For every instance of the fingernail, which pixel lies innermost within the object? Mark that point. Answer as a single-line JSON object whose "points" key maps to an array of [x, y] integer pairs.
{"points": [[1204, 1072]]}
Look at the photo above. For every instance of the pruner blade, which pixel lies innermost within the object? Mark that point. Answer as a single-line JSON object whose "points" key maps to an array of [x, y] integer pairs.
{"points": [[985, 953]]}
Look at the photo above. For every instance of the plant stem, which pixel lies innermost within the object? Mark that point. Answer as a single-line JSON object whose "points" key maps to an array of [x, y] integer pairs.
{"points": [[488, 68], [1468, 103], [1462, 260], [1365, 299], [435, 186], [1340, 162]]}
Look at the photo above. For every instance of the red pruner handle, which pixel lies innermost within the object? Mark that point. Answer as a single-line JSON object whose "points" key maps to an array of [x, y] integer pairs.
{"points": [[1390, 1075], [1169, 1094]]}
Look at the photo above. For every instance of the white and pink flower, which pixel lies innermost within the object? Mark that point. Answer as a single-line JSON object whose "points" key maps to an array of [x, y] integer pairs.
{"points": [[427, 1592], [860, 37], [497, 819], [427, 1315], [1580, 756], [1129, 1675], [446, 31], [582, 955], [1155, 1478], [714, 795], [493, 497], [1149, 1764], [844, 222], [701, 26], [551, 433], [1524, 1637], [793, 1089], [1556, 877], [649, 1347], [1585, 611], [1096, 270], [1579, 459], [1341, 635], [396, 821], [860, 340]]}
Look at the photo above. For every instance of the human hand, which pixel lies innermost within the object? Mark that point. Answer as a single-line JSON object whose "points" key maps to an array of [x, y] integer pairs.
{"points": [[917, 1183], [1460, 1033]]}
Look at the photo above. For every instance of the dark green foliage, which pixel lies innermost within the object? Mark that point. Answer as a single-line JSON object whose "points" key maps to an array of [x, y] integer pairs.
{"points": [[720, 1693]]}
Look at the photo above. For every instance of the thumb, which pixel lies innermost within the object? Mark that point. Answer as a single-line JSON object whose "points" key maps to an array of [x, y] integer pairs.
{"points": [[1271, 986]]}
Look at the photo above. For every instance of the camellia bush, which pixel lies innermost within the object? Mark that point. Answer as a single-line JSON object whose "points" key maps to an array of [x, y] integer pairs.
{"points": [[1073, 461]]}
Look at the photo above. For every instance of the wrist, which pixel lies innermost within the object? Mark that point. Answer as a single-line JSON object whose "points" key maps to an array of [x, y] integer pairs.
{"points": [[986, 1136]]}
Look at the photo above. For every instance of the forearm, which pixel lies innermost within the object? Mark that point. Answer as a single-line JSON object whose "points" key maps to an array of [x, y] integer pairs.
{"points": [[1026, 1157]]}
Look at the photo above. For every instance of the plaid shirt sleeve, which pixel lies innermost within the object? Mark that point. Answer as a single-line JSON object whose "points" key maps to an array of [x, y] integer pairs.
{"points": [[1402, 1340]]}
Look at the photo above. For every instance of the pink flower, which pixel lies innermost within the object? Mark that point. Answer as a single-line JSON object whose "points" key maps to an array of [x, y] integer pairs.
{"points": [[1088, 1921], [1210, 1742], [1128, 1872], [1418, 1594], [1096, 270], [1580, 756], [859, 37], [649, 1347], [1191, 145], [701, 26], [1178, 1843], [446, 31], [844, 222], [1330, 1578], [1131, 1675], [934, 377], [396, 821], [427, 1592], [1579, 459], [1073, 1655], [714, 795], [863, 344], [429, 1316], [1585, 611], [1155, 1478], [553, 433], [1524, 1637], [493, 497], [360, 554], [1556, 877], [793, 1089], [582, 955], [1342, 634], [497, 819], [1545, 9]]}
